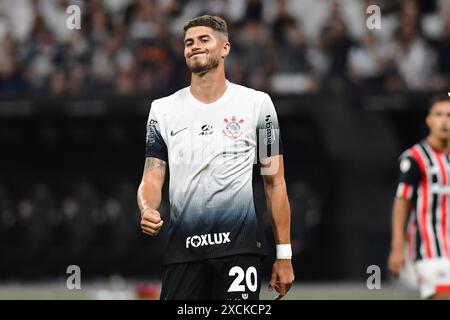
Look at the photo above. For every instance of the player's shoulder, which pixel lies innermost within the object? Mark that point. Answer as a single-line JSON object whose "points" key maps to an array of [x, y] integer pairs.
{"points": [[412, 150], [406, 153], [249, 92], [168, 101], [409, 158]]}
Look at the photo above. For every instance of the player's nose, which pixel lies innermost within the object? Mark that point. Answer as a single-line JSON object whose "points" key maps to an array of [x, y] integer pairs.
{"points": [[195, 45]]}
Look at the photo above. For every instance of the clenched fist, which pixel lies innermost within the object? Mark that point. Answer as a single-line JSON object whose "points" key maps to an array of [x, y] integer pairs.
{"points": [[151, 222]]}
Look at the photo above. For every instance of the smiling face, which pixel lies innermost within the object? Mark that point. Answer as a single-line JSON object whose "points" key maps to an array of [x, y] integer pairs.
{"points": [[438, 120], [204, 49]]}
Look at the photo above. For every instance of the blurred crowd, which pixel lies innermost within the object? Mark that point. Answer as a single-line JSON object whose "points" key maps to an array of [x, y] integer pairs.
{"points": [[283, 46]]}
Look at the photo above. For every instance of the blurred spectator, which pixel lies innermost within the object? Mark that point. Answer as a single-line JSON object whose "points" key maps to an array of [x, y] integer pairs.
{"points": [[253, 10], [57, 83], [11, 78], [41, 57], [442, 47], [255, 53], [336, 43], [19, 16], [294, 72], [76, 80], [414, 59], [368, 62]]}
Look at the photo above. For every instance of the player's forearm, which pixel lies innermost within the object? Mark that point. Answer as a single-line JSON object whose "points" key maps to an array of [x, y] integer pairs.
{"points": [[399, 217], [148, 196], [149, 191], [280, 213]]}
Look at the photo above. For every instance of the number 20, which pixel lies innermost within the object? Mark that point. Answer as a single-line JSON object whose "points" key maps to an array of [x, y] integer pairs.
{"points": [[251, 279]]}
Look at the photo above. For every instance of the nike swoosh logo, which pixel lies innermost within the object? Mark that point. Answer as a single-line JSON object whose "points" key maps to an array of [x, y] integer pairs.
{"points": [[172, 133]]}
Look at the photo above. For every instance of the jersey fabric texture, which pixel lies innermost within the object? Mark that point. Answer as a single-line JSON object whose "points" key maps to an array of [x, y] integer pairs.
{"points": [[211, 150]]}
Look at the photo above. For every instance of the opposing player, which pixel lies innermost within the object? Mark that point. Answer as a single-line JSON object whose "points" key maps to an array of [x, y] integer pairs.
{"points": [[210, 135], [423, 199]]}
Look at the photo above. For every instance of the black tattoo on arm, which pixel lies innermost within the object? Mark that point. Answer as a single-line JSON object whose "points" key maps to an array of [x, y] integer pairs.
{"points": [[144, 199], [155, 163]]}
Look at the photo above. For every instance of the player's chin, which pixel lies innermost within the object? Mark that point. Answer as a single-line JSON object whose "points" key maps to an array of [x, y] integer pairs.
{"points": [[198, 68], [444, 134]]}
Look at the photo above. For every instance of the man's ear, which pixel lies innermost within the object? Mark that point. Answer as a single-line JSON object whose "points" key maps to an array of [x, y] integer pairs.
{"points": [[428, 120], [226, 49]]}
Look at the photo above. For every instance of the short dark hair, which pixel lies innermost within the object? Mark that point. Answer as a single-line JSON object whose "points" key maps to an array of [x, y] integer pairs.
{"points": [[438, 98], [214, 22]]}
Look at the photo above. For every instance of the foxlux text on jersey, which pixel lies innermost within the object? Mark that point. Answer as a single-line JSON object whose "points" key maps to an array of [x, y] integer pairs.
{"points": [[207, 239]]}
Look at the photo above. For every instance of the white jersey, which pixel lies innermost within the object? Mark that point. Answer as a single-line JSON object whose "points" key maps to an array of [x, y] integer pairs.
{"points": [[211, 150]]}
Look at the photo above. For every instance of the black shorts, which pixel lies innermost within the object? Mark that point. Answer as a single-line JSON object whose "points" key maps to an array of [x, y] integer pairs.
{"points": [[233, 277]]}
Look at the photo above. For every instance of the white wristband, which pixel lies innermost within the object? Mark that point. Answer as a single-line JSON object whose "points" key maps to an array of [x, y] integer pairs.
{"points": [[284, 251]]}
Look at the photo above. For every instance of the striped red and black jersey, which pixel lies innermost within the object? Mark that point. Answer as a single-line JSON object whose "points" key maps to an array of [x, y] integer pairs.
{"points": [[424, 180]]}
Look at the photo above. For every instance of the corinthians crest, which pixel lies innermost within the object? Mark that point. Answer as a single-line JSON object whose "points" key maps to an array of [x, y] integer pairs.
{"points": [[233, 128]]}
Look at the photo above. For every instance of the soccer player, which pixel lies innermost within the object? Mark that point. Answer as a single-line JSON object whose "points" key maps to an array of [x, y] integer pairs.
{"points": [[423, 200], [210, 135]]}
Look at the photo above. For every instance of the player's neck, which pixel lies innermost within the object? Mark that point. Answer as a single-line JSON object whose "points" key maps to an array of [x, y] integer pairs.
{"points": [[208, 87], [438, 144]]}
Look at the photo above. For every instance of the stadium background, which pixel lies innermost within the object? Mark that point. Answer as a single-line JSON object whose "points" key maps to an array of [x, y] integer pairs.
{"points": [[74, 104]]}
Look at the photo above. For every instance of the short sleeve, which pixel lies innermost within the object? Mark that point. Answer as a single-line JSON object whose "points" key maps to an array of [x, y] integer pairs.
{"points": [[155, 146], [268, 130], [409, 178]]}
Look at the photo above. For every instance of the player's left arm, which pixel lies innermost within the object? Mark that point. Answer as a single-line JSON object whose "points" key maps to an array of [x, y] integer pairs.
{"points": [[280, 214]]}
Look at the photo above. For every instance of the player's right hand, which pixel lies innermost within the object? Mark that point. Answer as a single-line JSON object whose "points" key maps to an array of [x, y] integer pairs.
{"points": [[151, 222], [396, 262]]}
